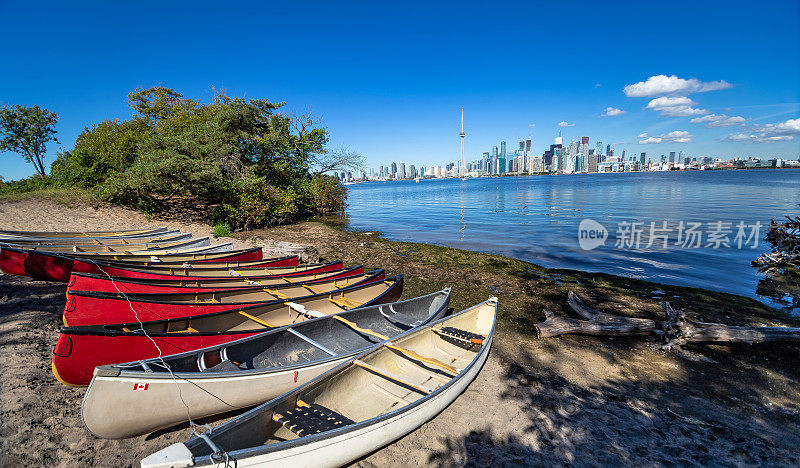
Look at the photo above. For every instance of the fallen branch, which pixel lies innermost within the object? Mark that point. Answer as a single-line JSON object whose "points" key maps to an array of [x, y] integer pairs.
{"points": [[595, 323], [678, 330]]}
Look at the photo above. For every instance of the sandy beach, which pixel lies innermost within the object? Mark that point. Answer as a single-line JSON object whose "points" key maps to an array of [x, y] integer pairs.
{"points": [[568, 400]]}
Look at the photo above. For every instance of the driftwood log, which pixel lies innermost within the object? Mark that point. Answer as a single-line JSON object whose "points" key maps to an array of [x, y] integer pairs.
{"points": [[785, 240], [593, 323], [675, 331], [678, 330]]}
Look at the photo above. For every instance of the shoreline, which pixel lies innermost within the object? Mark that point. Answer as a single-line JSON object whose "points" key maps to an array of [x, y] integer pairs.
{"points": [[554, 401]]}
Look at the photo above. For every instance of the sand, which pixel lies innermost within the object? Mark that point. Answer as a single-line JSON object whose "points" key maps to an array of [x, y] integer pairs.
{"points": [[569, 400]]}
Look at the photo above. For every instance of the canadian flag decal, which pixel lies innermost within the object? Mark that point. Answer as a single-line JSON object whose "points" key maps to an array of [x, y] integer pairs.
{"points": [[140, 386]]}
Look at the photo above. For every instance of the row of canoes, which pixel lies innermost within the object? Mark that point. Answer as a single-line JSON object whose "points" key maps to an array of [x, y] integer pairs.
{"points": [[337, 364]]}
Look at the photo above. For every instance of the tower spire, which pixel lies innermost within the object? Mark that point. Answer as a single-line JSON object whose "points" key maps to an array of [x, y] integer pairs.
{"points": [[462, 167]]}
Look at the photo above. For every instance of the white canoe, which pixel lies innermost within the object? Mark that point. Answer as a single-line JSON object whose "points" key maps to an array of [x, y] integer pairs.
{"points": [[348, 412], [143, 396]]}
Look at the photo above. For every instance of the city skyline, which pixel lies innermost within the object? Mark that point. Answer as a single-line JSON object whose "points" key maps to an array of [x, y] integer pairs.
{"points": [[396, 96]]}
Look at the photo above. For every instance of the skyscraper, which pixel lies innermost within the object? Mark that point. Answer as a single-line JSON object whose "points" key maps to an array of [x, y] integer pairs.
{"points": [[502, 149], [401, 171], [672, 156], [641, 158], [608, 151], [585, 140], [394, 169]]}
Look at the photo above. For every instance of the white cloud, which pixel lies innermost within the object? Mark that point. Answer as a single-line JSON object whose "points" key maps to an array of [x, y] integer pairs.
{"points": [[659, 85], [769, 133], [722, 120], [676, 136], [613, 111], [674, 106], [650, 140], [532, 125], [598, 85], [790, 127], [564, 123]]}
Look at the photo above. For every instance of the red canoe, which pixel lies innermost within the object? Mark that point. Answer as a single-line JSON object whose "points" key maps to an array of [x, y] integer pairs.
{"points": [[115, 284], [57, 267], [80, 349], [93, 308], [178, 272], [81, 266]]}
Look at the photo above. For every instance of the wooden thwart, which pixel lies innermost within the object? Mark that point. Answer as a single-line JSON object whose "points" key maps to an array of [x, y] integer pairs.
{"points": [[256, 319], [345, 302], [389, 376], [428, 360], [355, 327]]}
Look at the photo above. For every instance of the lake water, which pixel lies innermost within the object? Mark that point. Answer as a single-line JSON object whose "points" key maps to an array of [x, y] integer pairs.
{"points": [[537, 219]]}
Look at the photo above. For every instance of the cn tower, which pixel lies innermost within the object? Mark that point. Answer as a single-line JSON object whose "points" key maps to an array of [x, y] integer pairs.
{"points": [[462, 168]]}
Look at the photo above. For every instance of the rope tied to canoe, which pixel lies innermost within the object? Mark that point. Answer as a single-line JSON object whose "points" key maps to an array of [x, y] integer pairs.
{"points": [[193, 426]]}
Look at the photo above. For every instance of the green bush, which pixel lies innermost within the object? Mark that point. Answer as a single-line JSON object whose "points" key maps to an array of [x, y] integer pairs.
{"points": [[222, 230], [241, 156]]}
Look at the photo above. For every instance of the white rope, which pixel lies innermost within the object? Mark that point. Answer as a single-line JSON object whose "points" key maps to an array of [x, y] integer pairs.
{"points": [[160, 356]]}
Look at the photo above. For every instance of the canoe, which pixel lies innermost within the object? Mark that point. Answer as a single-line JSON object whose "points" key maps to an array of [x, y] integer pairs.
{"points": [[98, 267], [97, 308], [355, 408], [80, 234], [212, 271], [99, 241], [80, 349], [174, 242], [103, 283], [241, 373], [58, 266]]}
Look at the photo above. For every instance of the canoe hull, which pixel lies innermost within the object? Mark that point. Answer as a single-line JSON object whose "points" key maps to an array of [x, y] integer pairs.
{"points": [[130, 285], [339, 450], [93, 310], [75, 355], [50, 267], [98, 269], [144, 274], [204, 397]]}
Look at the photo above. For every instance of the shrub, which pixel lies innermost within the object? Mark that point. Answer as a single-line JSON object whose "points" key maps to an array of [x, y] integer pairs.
{"points": [[222, 230]]}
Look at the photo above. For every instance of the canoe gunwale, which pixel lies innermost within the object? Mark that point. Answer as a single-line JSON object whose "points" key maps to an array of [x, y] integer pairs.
{"points": [[102, 330], [126, 373], [153, 282], [312, 438]]}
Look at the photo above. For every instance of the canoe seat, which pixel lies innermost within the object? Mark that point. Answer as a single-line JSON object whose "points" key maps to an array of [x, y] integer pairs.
{"points": [[307, 419], [459, 336]]}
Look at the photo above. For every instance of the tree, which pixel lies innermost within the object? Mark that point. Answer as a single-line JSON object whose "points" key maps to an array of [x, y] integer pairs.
{"points": [[341, 158], [26, 130]]}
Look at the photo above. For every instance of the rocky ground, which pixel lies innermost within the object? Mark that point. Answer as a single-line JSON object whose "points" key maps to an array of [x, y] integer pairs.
{"points": [[568, 400]]}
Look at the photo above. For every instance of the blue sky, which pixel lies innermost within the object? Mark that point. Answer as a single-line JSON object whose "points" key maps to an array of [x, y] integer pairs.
{"points": [[389, 78]]}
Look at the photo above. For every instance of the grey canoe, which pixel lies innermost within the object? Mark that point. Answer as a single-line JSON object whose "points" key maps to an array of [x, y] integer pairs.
{"points": [[360, 405], [144, 396]]}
